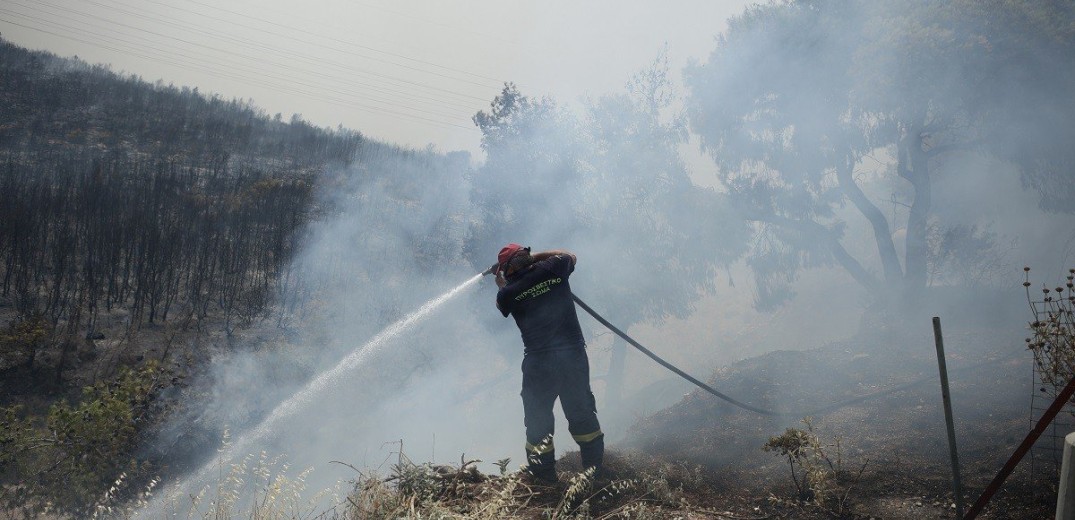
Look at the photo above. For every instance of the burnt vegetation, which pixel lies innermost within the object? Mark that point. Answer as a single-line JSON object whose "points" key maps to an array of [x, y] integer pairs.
{"points": [[126, 209], [151, 199]]}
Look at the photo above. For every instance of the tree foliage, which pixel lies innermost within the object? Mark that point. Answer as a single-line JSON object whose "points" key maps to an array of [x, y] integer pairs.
{"points": [[155, 200], [611, 187], [24, 336], [797, 93], [68, 459]]}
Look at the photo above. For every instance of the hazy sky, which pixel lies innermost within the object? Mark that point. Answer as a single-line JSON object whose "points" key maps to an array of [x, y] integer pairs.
{"points": [[407, 72]]}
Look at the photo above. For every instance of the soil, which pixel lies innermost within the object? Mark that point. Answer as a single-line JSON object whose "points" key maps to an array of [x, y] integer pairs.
{"points": [[893, 447]]}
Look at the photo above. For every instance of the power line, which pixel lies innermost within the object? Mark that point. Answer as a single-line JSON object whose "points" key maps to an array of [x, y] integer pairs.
{"points": [[244, 56], [276, 88], [278, 35], [408, 58], [230, 66], [484, 36]]}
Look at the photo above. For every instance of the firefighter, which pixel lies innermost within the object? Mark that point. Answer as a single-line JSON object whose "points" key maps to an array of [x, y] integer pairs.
{"points": [[534, 290]]}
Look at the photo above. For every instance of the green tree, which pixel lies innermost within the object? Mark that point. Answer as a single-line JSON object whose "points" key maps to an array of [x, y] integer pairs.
{"points": [[66, 460], [797, 93], [533, 150], [24, 337], [645, 209]]}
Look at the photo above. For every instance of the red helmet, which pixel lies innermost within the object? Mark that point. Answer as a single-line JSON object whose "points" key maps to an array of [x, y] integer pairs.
{"points": [[507, 253]]}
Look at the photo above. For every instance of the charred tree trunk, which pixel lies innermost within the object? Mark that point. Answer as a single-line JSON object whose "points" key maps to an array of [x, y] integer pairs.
{"points": [[914, 166]]}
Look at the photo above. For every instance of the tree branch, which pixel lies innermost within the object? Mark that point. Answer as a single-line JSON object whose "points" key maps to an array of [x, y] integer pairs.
{"points": [[881, 231], [809, 227], [944, 148]]}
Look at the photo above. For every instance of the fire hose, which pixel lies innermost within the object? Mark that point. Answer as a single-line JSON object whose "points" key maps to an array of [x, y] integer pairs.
{"points": [[986, 495], [762, 411]]}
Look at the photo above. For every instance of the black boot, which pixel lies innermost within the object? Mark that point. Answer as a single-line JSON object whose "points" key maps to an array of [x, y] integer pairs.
{"points": [[542, 467], [593, 452]]}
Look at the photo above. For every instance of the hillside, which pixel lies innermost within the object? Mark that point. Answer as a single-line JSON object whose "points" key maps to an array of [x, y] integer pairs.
{"points": [[896, 439], [144, 230], [129, 203]]}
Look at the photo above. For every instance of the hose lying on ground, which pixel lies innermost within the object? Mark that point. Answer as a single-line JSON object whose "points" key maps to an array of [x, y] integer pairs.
{"points": [[772, 413]]}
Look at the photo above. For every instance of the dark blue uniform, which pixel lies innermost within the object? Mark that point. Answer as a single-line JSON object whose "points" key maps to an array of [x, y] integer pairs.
{"points": [[555, 362]]}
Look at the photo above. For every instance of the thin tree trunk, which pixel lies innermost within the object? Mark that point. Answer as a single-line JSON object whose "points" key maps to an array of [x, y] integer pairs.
{"points": [[882, 233], [918, 175]]}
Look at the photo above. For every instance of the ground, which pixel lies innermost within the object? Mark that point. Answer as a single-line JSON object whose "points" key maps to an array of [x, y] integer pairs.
{"points": [[703, 458], [897, 439]]}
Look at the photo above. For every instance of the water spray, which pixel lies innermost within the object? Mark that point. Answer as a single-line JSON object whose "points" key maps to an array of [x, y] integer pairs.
{"points": [[328, 379]]}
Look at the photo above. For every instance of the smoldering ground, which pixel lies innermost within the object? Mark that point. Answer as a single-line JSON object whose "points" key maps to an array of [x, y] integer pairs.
{"points": [[774, 106]]}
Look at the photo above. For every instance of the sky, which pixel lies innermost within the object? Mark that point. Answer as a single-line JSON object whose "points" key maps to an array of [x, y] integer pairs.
{"points": [[406, 72]]}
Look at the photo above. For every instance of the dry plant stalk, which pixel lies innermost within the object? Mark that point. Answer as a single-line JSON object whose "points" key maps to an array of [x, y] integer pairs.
{"points": [[1052, 338]]}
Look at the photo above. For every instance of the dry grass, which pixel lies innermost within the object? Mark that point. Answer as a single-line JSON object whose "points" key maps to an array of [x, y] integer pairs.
{"points": [[641, 488]]}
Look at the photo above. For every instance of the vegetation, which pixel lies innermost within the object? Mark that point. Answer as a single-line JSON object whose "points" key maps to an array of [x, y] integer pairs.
{"points": [[1052, 338], [804, 104], [154, 200], [25, 335], [63, 462], [646, 490], [612, 185], [820, 479], [125, 205]]}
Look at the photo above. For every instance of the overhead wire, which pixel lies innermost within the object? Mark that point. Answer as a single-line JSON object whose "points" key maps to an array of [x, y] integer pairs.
{"points": [[330, 38], [277, 88], [244, 56], [230, 72], [483, 36], [234, 71], [233, 65], [306, 57]]}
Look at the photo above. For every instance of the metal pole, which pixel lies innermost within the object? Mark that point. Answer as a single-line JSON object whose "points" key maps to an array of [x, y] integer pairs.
{"points": [[957, 486], [1065, 499], [1043, 422]]}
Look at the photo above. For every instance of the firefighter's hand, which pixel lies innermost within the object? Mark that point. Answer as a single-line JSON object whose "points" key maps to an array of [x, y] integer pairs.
{"points": [[500, 280]]}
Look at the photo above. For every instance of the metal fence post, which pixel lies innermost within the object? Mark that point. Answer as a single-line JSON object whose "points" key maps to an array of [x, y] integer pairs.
{"points": [[957, 486]]}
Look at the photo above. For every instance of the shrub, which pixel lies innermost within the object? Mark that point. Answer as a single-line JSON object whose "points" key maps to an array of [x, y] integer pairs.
{"points": [[819, 476], [22, 339], [65, 461]]}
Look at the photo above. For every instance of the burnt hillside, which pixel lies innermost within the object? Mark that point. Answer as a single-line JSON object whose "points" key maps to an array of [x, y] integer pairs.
{"points": [[128, 209], [152, 199], [143, 228]]}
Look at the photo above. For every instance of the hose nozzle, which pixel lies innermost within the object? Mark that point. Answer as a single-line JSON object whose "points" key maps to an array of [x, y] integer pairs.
{"points": [[490, 270]]}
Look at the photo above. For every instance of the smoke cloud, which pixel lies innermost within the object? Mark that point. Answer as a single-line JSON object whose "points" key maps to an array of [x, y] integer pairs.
{"points": [[705, 276]]}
